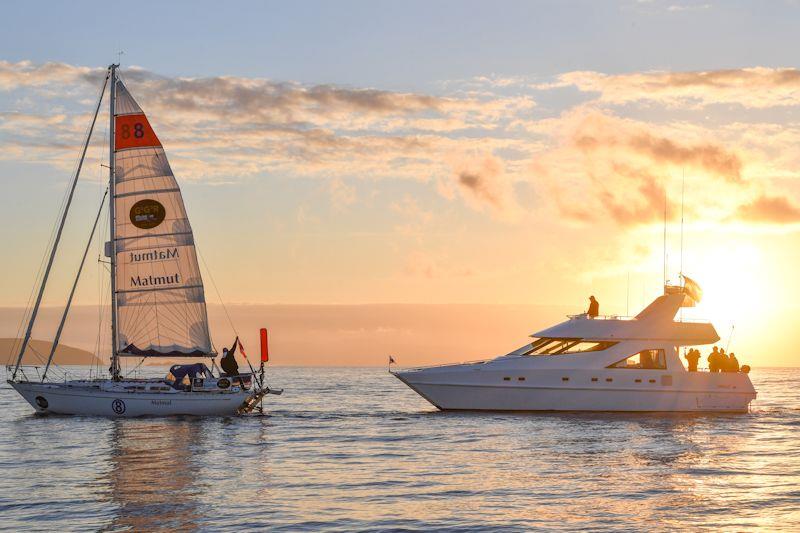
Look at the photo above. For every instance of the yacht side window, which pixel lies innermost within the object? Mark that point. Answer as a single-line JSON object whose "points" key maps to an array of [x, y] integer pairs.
{"points": [[646, 359], [546, 346]]}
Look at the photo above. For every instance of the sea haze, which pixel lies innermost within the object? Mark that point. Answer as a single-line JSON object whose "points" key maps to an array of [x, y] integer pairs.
{"points": [[354, 449]]}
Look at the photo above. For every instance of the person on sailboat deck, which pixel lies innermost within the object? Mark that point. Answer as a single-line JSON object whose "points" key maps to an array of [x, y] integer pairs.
{"points": [[594, 308], [179, 373], [228, 362]]}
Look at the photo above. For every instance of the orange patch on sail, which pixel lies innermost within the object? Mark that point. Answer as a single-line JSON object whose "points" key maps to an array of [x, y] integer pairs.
{"points": [[134, 131]]}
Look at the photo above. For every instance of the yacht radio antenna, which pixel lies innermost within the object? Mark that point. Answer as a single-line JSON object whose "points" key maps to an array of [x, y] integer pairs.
{"points": [[683, 187], [628, 296], [664, 258], [730, 337]]}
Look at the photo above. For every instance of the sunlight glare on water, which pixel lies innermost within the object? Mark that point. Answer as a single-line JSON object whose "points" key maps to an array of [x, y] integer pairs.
{"points": [[354, 449]]}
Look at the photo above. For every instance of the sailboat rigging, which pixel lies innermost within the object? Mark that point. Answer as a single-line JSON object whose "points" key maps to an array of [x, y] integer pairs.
{"points": [[158, 306]]}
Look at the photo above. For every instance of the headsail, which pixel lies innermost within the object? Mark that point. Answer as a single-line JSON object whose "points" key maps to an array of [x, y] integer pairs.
{"points": [[161, 308]]}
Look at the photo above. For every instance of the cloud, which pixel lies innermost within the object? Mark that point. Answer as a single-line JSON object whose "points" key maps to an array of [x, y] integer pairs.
{"points": [[227, 127], [770, 209], [483, 184], [606, 168], [677, 8], [28, 74], [714, 159], [756, 87], [642, 201], [476, 146]]}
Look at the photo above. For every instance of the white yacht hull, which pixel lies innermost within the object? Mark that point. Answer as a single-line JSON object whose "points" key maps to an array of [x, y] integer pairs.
{"points": [[85, 399], [548, 391]]}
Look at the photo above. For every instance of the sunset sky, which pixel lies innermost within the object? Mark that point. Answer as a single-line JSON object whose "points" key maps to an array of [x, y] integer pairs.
{"points": [[510, 154]]}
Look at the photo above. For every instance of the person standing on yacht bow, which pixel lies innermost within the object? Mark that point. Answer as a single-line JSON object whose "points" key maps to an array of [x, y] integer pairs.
{"points": [[594, 308]]}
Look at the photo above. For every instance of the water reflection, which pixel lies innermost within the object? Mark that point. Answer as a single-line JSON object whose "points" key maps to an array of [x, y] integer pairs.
{"points": [[154, 474], [351, 449]]}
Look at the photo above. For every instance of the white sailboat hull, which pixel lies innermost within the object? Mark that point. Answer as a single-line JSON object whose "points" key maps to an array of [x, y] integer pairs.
{"points": [[548, 391], [82, 399]]}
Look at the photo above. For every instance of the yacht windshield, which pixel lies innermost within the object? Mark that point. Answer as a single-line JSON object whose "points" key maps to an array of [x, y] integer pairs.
{"points": [[548, 346]]}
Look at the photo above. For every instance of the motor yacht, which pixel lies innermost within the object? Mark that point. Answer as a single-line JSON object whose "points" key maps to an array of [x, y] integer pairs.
{"points": [[594, 364]]}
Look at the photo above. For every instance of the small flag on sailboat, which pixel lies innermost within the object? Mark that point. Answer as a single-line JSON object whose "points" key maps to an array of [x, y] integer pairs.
{"points": [[241, 348], [264, 346], [391, 360]]}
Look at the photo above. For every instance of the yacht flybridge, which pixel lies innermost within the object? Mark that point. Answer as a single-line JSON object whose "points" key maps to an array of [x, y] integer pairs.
{"points": [[593, 364], [157, 298]]}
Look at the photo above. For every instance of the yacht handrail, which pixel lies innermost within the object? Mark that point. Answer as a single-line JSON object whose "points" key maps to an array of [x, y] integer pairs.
{"points": [[601, 317], [629, 318], [479, 361]]}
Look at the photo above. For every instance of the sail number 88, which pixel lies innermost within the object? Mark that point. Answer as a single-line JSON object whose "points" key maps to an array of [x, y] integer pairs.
{"points": [[138, 130]]}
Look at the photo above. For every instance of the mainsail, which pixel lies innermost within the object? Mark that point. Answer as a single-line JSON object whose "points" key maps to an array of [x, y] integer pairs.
{"points": [[160, 302]]}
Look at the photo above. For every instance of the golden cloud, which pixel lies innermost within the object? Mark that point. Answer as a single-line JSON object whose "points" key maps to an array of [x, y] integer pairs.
{"points": [[770, 209], [756, 87]]}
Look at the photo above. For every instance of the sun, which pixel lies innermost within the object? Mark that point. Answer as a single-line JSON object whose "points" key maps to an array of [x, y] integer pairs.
{"points": [[733, 281]]}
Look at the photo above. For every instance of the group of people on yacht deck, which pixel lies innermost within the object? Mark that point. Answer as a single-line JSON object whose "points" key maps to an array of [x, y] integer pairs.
{"points": [[718, 360]]}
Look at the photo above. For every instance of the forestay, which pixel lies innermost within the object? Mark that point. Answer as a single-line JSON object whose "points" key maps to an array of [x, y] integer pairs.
{"points": [[161, 308]]}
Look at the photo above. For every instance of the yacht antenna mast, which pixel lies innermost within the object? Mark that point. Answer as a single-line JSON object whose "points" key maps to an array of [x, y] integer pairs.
{"points": [[664, 258], [683, 188], [628, 296]]}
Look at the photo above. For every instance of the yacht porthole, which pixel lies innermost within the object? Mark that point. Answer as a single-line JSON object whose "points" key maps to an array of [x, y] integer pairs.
{"points": [[564, 379], [520, 379], [506, 379], [594, 379], [609, 379]]}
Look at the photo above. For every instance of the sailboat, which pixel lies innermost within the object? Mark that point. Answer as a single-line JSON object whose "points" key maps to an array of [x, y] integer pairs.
{"points": [[158, 304]]}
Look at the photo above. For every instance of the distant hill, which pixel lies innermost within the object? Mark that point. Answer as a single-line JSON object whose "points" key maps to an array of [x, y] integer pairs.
{"points": [[65, 355]]}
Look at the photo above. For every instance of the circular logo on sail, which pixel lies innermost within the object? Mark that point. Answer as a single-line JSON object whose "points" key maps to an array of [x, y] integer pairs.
{"points": [[147, 214], [118, 406]]}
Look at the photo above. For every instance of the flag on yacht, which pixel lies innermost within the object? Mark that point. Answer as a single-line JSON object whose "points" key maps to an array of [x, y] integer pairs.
{"points": [[692, 291], [160, 301]]}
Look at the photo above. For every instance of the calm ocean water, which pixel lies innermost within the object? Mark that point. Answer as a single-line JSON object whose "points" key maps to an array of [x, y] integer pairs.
{"points": [[354, 449]]}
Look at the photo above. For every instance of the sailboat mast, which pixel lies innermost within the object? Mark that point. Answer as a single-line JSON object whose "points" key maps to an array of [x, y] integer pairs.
{"points": [[112, 221]]}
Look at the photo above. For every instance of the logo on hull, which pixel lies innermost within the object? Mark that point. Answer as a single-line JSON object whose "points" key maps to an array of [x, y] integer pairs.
{"points": [[118, 406]]}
